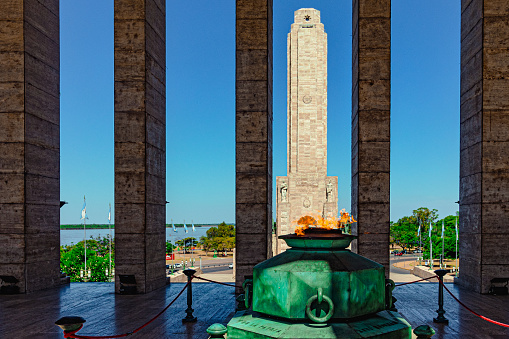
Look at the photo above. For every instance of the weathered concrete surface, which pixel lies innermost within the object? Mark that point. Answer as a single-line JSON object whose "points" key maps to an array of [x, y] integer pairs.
{"points": [[484, 143], [253, 134], [140, 142], [306, 190], [371, 104], [30, 143], [424, 272]]}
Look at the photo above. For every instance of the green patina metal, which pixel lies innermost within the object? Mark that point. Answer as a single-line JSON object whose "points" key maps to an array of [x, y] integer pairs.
{"points": [[286, 282], [424, 332], [217, 330], [384, 324], [318, 289]]}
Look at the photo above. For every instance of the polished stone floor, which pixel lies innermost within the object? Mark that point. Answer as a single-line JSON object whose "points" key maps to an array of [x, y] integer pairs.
{"points": [[106, 313], [418, 304], [33, 315]]}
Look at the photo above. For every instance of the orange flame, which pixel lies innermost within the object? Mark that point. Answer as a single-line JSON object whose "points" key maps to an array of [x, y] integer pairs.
{"points": [[328, 223], [345, 218], [304, 223]]}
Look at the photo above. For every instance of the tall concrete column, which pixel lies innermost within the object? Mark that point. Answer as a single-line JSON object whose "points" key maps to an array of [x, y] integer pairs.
{"points": [[371, 104], [484, 143], [140, 142], [30, 143], [253, 135]]}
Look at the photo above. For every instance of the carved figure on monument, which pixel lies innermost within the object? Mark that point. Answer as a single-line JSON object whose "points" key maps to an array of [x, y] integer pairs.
{"points": [[329, 191], [284, 191], [302, 189]]}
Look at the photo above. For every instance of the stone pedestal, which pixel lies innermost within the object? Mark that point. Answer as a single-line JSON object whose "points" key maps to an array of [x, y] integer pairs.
{"points": [[384, 324]]}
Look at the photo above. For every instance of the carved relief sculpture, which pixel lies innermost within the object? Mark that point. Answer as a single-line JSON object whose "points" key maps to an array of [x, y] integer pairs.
{"points": [[284, 191]]}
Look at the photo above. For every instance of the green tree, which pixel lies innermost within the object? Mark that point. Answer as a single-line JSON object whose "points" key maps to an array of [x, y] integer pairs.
{"points": [[424, 215], [222, 230], [205, 244], [72, 259], [186, 244], [449, 240], [404, 232], [169, 247], [220, 238]]}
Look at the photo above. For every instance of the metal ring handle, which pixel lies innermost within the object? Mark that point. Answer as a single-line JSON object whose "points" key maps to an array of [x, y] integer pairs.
{"points": [[247, 285], [320, 297]]}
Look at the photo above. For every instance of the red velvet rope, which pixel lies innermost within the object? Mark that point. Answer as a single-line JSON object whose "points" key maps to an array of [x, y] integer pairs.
{"points": [[477, 314], [408, 283], [72, 334], [462, 304]]}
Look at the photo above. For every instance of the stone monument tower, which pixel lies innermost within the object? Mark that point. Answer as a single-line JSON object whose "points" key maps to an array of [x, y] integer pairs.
{"points": [[306, 190]]}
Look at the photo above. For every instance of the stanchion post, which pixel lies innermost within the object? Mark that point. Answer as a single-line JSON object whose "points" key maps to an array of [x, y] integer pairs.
{"points": [[189, 317], [441, 311]]}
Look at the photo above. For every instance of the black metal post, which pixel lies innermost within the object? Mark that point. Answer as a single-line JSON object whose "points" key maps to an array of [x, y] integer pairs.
{"points": [[441, 311], [189, 317]]}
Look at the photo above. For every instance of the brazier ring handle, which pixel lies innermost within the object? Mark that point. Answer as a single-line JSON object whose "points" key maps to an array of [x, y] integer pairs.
{"points": [[320, 298]]}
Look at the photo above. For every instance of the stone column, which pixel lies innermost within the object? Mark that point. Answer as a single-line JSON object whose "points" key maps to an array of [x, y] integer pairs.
{"points": [[253, 135], [371, 104], [140, 142], [30, 143], [484, 143]]}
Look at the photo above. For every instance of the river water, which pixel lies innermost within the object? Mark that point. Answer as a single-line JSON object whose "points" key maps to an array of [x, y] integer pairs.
{"points": [[68, 237]]}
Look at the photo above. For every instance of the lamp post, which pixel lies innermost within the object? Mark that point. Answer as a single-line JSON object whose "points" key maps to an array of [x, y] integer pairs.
{"points": [[192, 252], [109, 231], [442, 263], [430, 247], [85, 243], [420, 242], [456, 226], [457, 232], [84, 218]]}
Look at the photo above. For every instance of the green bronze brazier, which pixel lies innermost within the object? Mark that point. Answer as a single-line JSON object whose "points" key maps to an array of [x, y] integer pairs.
{"points": [[318, 289], [318, 266]]}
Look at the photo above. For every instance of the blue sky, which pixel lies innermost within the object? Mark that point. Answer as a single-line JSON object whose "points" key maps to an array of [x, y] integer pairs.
{"points": [[200, 182]]}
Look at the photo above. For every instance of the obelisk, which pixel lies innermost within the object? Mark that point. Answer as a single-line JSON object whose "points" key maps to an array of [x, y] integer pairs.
{"points": [[306, 190]]}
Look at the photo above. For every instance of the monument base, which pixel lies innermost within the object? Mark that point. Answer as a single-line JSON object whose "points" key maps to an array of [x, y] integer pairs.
{"points": [[384, 324]]}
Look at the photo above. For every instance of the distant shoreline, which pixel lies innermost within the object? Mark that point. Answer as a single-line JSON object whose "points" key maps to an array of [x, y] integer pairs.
{"points": [[105, 226]]}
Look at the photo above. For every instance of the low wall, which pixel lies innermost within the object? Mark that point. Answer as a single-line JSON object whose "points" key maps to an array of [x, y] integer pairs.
{"points": [[424, 272], [181, 277]]}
